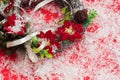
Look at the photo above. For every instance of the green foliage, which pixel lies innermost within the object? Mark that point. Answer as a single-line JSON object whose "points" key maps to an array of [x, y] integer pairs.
{"points": [[91, 15], [42, 55], [36, 50], [45, 53], [67, 15], [4, 1], [64, 10], [34, 42]]}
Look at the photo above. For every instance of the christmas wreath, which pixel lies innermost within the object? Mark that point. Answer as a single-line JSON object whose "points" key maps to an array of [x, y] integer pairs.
{"points": [[15, 34]]}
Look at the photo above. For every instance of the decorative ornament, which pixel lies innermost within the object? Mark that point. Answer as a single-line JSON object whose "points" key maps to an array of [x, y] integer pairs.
{"points": [[15, 34]]}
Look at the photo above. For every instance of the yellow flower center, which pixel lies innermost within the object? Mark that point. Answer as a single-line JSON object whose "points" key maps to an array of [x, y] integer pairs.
{"points": [[69, 30], [47, 42]]}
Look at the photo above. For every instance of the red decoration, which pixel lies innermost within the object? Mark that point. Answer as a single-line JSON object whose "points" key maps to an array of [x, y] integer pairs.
{"points": [[11, 23], [70, 31], [50, 37]]}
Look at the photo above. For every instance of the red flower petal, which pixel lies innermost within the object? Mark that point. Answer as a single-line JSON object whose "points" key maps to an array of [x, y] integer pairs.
{"points": [[52, 38], [6, 24], [71, 38], [78, 27], [81, 30], [68, 24], [11, 19], [41, 35], [19, 33], [60, 30], [7, 29], [77, 35], [49, 48], [24, 29], [50, 35], [56, 43], [64, 37]]}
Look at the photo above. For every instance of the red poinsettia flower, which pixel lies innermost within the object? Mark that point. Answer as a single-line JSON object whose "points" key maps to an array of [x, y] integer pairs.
{"points": [[70, 31], [10, 20], [50, 37], [14, 25]]}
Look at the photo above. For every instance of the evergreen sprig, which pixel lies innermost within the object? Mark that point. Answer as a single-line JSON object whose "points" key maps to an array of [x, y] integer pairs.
{"points": [[91, 15]]}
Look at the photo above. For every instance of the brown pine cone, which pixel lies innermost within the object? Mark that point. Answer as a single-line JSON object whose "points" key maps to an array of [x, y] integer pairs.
{"points": [[81, 16]]}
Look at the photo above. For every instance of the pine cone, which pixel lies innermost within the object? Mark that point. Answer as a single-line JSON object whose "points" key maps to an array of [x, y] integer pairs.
{"points": [[81, 16]]}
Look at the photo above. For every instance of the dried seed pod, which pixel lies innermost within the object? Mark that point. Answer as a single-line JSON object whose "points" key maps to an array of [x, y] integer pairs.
{"points": [[81, 16]]}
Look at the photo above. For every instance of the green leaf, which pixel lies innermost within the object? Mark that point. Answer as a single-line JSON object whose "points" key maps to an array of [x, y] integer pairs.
{"points": [[45, 53], [4, 1], [64, 10], [48, 55], [42, 55], [36, 50], [34, 41], [91, 15], [67, 16], [87, 23]]}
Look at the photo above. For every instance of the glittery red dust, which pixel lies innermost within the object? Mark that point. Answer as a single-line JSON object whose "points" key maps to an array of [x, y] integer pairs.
{"points": [[87, 78], [96, 57]]}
